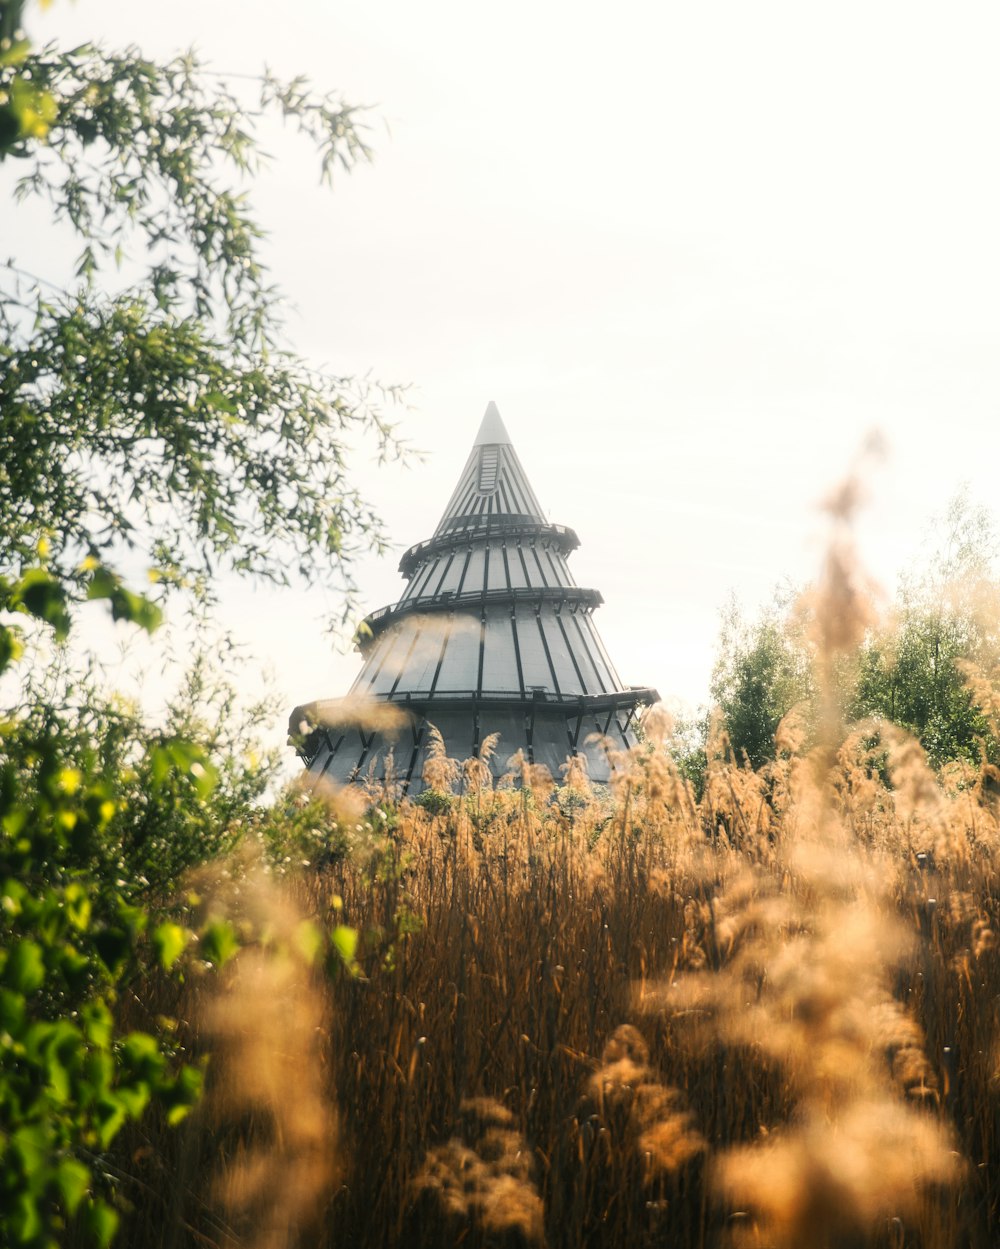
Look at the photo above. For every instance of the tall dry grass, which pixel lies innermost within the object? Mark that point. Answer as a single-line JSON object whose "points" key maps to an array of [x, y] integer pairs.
{"points": [[767, 1017]]}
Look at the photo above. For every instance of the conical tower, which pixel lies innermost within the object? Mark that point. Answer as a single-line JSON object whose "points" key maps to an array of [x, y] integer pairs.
{"points": [[491, 635]]}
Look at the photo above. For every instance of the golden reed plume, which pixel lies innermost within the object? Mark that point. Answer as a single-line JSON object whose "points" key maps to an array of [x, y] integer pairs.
{"points": [[640, 1112], [482, 1179], [794, 959], [268, 1099]]}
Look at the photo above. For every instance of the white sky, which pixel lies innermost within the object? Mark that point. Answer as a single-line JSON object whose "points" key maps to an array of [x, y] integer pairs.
{"points": [[694, 251]]}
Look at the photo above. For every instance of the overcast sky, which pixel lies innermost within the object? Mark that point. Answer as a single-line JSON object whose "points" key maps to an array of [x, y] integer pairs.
{"points": [[694, 251]]}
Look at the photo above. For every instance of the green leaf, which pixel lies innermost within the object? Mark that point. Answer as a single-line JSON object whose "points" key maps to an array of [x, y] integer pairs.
{"points": [[98, 1024], [182, 1094], [78, 906], [110, 1116], [308, 940], [102, 584], [15, 53], [99, 1070], [345, 942], [134, 1098], [100, 1221], [43, 596], [219, 942], [26, 1219], [25, 967], [31, 1145], [113, 946], [169, 941], [141, 1054], [59, 1085], [125, 604], [34, 108], [12, 1012], [177, 1114], [136, 609], [73, 1181], [11, 647]]}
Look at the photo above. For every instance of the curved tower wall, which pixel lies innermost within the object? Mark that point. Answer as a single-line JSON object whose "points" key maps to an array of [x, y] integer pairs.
{"points": [[491, 635]]}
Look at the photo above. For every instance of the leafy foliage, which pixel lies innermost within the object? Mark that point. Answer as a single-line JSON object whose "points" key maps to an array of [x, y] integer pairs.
{"points": [[26, 110], [152, 423], [72, 934], [913, 670], [687, 748], [161, 416], [762, 670], [914, 678]]}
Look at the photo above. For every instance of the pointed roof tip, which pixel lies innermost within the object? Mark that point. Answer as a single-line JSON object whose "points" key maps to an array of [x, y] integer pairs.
{"points": [[492, 430]]}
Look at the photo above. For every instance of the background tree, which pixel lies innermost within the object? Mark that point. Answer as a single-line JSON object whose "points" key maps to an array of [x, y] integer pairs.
{"points": [[762, 670], [915, 670], [928, 668]]}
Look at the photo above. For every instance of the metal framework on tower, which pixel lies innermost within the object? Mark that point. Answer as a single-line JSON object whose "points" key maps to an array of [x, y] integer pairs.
{"points": [[491, 635]]}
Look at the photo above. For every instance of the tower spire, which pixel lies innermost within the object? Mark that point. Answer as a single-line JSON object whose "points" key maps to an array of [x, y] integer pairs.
{"points": [[492, 431], [493, 489]]}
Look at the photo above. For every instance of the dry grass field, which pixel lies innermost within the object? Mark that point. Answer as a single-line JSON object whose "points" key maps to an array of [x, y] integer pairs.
{"points": [[767, 1017]]}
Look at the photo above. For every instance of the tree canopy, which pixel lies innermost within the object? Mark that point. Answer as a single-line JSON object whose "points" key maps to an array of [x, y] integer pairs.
{"points": [[151, 411], [930, 666], [762, 670]]}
